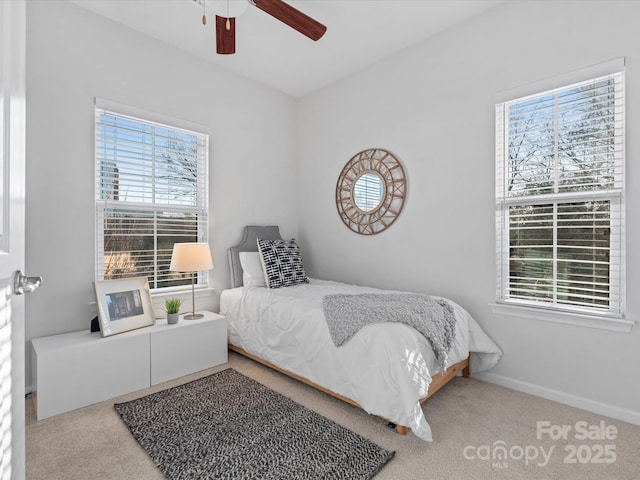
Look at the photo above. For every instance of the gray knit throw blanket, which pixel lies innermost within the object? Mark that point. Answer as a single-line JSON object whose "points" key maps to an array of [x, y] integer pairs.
{"points": [[433, 318]]}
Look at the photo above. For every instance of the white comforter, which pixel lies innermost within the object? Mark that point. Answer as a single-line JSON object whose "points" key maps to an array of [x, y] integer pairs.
{"points": [[386, 367]]}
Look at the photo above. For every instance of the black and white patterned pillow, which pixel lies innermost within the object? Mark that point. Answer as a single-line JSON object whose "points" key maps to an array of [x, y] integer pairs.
{"points": [[282, 263]]}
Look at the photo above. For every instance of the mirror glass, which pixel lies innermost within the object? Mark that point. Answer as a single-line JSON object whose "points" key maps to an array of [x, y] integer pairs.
{"points": [[368, 191]]}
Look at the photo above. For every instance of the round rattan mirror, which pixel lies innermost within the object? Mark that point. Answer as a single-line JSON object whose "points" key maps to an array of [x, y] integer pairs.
{"points": [[371, 190]]}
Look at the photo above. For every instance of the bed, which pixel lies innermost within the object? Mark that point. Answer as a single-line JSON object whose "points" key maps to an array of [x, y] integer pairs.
{"points": [[387, 369]]}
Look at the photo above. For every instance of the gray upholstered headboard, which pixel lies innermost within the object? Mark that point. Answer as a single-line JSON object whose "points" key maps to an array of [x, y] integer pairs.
{"points": [[249, 243]]}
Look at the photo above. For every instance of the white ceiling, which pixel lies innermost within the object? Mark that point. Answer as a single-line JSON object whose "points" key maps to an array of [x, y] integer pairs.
{"points": [[359, 33]]}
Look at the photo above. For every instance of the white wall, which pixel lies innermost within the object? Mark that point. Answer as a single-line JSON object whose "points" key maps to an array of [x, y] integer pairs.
{"points": [[433, 106], [74, 56]]}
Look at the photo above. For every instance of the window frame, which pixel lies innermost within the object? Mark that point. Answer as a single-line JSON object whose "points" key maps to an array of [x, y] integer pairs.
{"points": [[201, 208], [610, 319]]}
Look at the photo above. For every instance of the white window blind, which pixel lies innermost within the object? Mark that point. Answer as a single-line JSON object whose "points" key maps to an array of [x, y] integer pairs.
{"points": [[559, 198], [151, 192]]}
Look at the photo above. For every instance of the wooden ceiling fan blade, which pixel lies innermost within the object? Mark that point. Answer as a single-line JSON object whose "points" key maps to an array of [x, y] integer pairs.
{"points": [[292, 17], [225, 35]]}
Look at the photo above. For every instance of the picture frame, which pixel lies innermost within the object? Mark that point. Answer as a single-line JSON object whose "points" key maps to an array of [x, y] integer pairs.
{"points": [[123, 305]]}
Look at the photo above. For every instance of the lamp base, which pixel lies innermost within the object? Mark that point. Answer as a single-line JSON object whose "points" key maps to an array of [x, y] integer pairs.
{"points": [[194, 316]]}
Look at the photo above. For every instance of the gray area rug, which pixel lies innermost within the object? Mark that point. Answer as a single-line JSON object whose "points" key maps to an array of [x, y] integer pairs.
{"points": [[228, 426]]}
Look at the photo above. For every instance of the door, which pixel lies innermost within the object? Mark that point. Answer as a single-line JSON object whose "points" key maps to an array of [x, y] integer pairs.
{"points": [[12, 199]]}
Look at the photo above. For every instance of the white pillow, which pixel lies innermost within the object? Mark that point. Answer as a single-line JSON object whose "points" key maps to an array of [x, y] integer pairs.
{"points": [[252, 272]]}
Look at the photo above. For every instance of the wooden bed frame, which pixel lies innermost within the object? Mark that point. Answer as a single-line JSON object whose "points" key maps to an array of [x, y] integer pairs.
{"points": [[437, 381]]}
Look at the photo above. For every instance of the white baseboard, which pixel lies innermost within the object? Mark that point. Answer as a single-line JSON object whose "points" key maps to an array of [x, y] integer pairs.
{"points": [[612, 411]]}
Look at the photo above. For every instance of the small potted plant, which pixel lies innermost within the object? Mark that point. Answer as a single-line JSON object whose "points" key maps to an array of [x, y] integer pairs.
{"points": [[172, 306]]}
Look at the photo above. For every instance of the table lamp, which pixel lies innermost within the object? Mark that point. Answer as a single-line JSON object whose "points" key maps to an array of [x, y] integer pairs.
{"points": [[191, 257]]}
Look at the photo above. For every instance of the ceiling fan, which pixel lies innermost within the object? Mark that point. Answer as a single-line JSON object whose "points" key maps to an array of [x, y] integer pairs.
{"points": [[227, 11]]}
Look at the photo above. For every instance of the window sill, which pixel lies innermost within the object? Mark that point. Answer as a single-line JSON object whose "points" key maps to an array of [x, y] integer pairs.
{"points": [[567, 318], [183, 293]]}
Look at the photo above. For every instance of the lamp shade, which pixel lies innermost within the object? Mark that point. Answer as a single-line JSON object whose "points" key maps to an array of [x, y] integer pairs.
{"points": [[191, 257]]}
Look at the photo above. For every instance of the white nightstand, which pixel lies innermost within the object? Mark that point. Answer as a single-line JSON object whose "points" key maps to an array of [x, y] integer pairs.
{"points": [[187, 346], [80, 368]]}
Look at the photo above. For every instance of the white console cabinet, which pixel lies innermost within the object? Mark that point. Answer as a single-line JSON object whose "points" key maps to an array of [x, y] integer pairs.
{"points": [[80, 368]]}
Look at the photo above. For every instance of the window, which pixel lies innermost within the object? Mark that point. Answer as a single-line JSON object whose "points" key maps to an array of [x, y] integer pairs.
{"points": [[151, 192], [559, 198]]}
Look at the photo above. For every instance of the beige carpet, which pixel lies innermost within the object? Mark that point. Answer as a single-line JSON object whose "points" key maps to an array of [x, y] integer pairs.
{"points": [[470, 420]]}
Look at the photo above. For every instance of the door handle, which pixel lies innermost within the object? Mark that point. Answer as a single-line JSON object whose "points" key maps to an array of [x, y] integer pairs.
{"points": [[24, 284]]}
